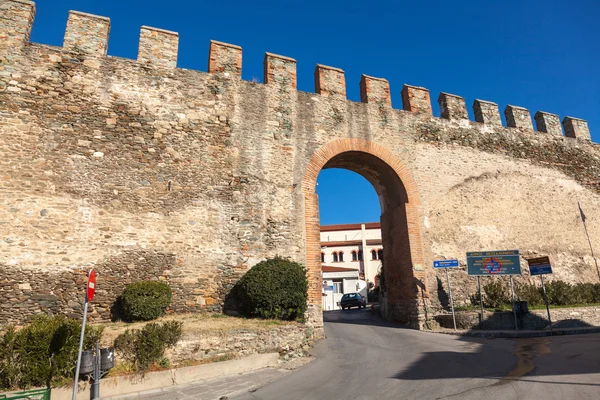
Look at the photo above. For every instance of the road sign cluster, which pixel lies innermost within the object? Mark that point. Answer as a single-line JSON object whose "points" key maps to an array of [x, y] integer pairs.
{"points": [[496, 263]]}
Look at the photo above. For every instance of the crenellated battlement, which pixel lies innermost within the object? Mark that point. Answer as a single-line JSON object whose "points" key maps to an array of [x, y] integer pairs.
{"points": [[88, 34]]}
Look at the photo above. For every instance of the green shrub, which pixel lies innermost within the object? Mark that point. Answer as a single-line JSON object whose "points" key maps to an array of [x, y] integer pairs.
{"points": [[276, 288], [43, 352], [145, 300], [497, 294], [560, 293], [530, 293], [144, 347]]}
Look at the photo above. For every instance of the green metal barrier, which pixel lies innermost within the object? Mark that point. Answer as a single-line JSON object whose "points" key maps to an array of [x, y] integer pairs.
{"points": [[36, 394]]}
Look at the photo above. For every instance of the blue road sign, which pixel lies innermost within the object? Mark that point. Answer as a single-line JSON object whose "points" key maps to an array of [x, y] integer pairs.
{"points": [[445, 264], [488, 263], [539, 266]]}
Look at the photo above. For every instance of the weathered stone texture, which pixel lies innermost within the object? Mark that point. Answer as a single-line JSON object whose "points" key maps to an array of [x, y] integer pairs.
{"points": [[330, 81], [15, 23], [487, 112], [548, 123], [289, 341], [452, 107], [518, 117], [281, 71], [225, 58], [416, 99], [158, 47], [194, 177], [87, 33], [576, 128], [375, 90], [534, 320]]}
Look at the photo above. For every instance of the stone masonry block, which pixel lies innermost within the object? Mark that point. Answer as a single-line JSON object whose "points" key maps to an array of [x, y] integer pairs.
{"points": [[416, 99], [280, 70], [158, 47], [576, 128], [452, 106], [225, 58], [518, 117], [375, 90], [330, 81], [487, 112], [549, 123], [87, 33], [16, 19]]}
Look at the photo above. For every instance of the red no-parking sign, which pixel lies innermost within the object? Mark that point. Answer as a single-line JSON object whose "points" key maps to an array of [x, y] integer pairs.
{"points": [[91, 285]]}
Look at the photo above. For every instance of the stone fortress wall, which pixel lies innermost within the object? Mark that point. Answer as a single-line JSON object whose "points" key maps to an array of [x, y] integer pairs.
{"points": [[142, 170]]}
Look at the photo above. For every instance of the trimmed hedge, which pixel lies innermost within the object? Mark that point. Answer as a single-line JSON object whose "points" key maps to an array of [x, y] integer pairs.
{"points": [[273, 289], [146, 346], [560, 293], [145, 300], [42, 353]]}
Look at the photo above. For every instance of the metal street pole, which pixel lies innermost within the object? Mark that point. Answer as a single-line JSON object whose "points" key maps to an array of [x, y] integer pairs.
{"points": [[480, 298], [76, 383], [95, 387], [546, 301], [512, 294], [583, 218], [451, 300]]}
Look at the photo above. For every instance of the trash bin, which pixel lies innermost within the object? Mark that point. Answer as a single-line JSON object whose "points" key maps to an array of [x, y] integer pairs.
{"points": [[87, 362], [521, 307], [107, 358]]}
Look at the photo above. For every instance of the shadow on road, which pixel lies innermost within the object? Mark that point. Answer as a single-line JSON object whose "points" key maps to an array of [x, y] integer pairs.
{"points": [[503, 359]]}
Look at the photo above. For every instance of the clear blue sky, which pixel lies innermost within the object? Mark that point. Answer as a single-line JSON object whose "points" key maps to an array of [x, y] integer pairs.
{"points": [[539, 54]]}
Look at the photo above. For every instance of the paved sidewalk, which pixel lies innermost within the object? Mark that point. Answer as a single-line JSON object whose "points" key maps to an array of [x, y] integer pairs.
{"points": [[218, 388], [490, 334]]}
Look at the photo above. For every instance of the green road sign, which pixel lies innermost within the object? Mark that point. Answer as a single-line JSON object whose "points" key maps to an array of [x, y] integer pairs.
{"points": [[489, 263]]}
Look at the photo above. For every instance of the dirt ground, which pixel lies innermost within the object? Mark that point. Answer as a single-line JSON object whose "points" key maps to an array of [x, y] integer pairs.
{"points": [[192, 323]]}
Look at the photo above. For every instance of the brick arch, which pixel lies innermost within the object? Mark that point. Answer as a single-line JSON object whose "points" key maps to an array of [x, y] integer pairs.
{"points": [[325, 153], [402, 244]]}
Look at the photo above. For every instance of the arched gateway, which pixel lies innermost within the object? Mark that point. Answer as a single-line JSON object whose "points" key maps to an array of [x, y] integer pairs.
{"points": [[403, 254]]}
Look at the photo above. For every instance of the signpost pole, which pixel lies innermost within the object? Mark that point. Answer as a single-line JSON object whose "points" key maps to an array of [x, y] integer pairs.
{"points": [[451, 300], [85, 309], [512, 295], [546, 301], [480, 298], [90, 290]]}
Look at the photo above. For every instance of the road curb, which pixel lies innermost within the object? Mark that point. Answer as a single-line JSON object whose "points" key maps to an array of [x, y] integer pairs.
{"points": [[521, 334], [131, 385]]}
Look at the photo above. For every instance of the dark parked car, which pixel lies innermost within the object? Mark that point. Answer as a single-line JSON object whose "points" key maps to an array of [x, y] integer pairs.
{"points": [[353, 300]]}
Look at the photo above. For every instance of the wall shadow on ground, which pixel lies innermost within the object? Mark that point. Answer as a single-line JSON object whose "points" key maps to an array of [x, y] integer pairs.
{"points": [[512, 359], [499, 360]]}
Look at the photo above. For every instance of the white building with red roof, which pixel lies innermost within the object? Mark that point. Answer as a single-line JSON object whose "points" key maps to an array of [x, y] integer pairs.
{"points": [[349, 254]]}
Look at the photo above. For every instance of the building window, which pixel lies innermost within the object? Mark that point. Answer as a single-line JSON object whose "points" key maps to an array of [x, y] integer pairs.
{"points": [[335, 257], [338, 287], [354, 256], [341, 256], [360, 255], [380, 254], [322, 257], [373, 255]]}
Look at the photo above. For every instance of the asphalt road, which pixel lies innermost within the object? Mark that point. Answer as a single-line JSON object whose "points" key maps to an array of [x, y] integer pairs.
{"points": [[367, 358]]}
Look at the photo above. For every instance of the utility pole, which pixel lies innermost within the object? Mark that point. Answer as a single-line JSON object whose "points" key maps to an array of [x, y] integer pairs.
{"points": [[583, 218], [363, 237]]}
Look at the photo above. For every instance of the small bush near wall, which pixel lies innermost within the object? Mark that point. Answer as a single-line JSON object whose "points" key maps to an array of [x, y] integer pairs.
{"points": [[497, 294], [144, 347], [145, 300], [275, 288], [42, 353]]}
